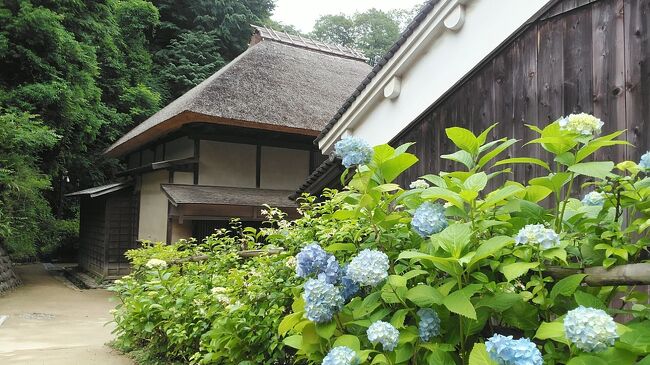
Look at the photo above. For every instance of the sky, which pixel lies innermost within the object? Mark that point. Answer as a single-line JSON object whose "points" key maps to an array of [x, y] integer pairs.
{"points": [[303, 13]]}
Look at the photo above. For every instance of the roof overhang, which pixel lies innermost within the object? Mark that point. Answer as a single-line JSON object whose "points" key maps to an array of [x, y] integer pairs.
{"points": [[199, 202], [445, 17], [176, 122]]}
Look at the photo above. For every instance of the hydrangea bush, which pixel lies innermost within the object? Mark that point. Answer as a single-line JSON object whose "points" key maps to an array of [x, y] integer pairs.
{"points": [[463, 267], [469, 267]]}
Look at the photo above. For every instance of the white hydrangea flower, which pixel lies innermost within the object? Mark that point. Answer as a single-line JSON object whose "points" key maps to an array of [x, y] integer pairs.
{"points": [[537, 234], [594, 199], [156, 263], [419, 184], [218, 290], [384, 333], [370, 268], [590, 329], [583, 124]]}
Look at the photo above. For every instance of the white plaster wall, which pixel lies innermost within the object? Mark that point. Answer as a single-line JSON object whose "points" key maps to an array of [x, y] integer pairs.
{"points": [[153, 207], [186, 178], [179, 148], [283, 168], [445, 60], [181, 230], [227, 164]]}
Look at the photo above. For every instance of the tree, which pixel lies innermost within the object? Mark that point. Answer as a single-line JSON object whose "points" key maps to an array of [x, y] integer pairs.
{"points": [[376, 31], [197, 37], [85, 69], [26, 220], [372, 31], [337, 29]]}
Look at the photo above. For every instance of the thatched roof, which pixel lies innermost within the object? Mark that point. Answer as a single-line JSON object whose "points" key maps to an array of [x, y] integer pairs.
{"points": [[273, 85], [179, 194]]}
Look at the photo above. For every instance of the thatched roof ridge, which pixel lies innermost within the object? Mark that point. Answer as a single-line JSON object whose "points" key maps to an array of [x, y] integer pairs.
{"points": [[272, 85]]}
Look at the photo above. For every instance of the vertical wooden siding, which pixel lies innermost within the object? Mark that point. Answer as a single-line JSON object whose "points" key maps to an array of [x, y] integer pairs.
{"points": [[590, 56]]}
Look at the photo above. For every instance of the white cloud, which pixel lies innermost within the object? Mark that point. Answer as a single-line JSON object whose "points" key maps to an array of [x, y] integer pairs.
{"points": [[303, 13]]}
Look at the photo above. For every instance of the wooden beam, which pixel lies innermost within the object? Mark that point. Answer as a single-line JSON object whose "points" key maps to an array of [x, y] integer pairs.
{"points": [[258, 166], [630, 274], [176, 122]]}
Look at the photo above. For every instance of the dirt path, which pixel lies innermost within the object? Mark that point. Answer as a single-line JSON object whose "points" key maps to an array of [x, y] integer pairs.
{"points": [[52, 323]]}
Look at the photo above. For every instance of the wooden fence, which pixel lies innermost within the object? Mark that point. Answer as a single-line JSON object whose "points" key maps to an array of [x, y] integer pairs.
{"points": [[581, 56]]}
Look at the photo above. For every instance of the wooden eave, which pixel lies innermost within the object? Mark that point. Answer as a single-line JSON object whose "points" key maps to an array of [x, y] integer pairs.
{"points": [[176, 122], [167, 164]]}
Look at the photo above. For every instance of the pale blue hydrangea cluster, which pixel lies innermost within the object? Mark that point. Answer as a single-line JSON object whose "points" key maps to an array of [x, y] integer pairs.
{"points": [[383, 333], [506, 351], [341, 355], [369, 268], [353, 151], [537, 234], [349, 287], [322, 300], [429, 218], [593, 199], [583, 124], [419, 184], [644, 163], [313, 260], [590, 329], [429, 325]]}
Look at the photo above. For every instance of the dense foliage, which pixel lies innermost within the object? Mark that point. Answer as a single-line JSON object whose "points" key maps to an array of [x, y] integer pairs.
{"points": [[24, 216], [465, 267], [88, 71]]}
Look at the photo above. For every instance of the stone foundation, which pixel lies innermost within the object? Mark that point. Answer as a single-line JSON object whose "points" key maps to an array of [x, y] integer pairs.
{"points": [[8, 278]]}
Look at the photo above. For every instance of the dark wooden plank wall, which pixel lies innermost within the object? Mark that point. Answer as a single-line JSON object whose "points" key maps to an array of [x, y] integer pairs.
{"points": [[582, 55], [92, 235], [108, 228], [121, 231]]}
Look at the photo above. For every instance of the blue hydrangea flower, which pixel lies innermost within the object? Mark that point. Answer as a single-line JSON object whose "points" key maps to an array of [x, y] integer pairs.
{"points": [[593, 199], [349, 287], [353, 151], [313, 260], [370, 267], [322, 300], [506, 351], [429, 325], [537, 234], [310, 260], [331, 270], [428, 219], [583, 124], [644, 163], [419, 184], [590, 329], [384, 333], [341, 355]]}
